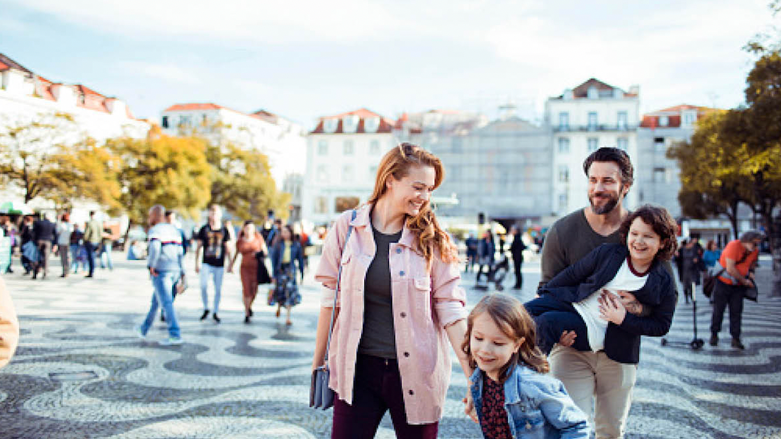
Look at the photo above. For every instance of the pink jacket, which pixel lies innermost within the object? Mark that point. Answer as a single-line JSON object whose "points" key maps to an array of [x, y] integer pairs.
{"points": [[424, 303]]}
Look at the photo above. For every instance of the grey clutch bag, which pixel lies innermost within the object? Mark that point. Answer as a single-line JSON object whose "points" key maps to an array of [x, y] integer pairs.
{"points": [[320, 395]]}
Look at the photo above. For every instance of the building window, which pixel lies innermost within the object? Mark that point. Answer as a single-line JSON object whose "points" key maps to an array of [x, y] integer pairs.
{"points": [[623, 117], [370, 124], [563, 121], [372, 173], [563, 201], [660, 175], [374, 147], [457, 144], [330, 125], [322, 147], [350, 123], [345, 203], [592, 120], [659, 144], [563, 145], [592, 93], [184, 121], [563, 174], [322, 174], [623, 143], [664, 121], [688, 118], [321, 205], [347, 173], [165, 122], [349, 147], [593, 144]]}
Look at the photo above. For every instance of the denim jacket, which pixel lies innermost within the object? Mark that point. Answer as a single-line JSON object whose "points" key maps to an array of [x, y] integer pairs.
{"points": [[537, 405]]}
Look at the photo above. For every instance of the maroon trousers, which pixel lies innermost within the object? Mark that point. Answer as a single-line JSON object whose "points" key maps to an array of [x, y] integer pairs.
{"points": [[377, 389]]}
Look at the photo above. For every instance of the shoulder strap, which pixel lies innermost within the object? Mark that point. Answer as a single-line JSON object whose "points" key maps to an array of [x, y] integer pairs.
{"points": [[745, 255], [338, 287]]}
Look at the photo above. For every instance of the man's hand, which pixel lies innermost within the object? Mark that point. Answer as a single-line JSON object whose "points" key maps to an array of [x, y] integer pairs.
{"points": [[611, 309], [469, 410], [152, 271], [568, 338], [630, 302], [197, 268]]}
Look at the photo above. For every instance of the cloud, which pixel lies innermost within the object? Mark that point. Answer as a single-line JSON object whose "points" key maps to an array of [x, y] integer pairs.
{"points": [[167, 71], [237, 20]]}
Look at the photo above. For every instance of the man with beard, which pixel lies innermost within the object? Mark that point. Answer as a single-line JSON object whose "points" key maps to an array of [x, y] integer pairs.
{"points": [[587, 375]]}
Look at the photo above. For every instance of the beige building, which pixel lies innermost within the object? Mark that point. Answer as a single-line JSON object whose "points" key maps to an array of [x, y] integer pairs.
{"points": [[342, 154]]}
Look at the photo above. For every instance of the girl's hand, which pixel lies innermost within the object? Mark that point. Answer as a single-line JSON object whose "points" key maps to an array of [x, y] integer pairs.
{"points": [[611, 309], [469, 410]]}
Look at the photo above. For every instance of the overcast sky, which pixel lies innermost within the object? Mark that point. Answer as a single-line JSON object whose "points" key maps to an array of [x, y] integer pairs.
{"points": [[304, 59]]}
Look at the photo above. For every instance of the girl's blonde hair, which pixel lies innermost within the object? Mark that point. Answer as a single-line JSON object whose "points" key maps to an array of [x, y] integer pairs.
{"points": [[516, 323], [397, 163]]}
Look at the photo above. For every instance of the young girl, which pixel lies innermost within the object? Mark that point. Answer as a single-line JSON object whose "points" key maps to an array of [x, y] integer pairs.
{"points": [[572, 301], [512, 396]]}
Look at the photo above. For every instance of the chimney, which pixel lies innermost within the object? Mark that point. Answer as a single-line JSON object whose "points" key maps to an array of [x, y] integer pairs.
{"points": [[64, 94], [116, 107], [635, 90], [14, 81]]}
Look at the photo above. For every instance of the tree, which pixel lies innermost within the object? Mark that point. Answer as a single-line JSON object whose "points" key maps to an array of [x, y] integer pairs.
{"points": [[28, 150], [87, 171], [160, 169], [242, 182], [710, 183], [759, 126]]}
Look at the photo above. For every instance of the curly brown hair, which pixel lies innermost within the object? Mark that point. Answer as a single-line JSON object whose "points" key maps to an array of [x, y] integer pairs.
{"points": [[430, 235], [661, 222], [513, 319]]}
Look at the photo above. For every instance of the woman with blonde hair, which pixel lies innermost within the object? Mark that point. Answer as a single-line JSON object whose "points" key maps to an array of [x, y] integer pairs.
{"points": [[398, 306]]}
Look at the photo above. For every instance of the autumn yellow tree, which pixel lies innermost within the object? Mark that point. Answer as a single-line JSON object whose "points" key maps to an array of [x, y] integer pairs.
{"points": [[161, 169], [28, 149]]}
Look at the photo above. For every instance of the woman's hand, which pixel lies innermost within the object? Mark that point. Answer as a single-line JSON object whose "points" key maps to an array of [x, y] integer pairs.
{"points": [[611, 309]]}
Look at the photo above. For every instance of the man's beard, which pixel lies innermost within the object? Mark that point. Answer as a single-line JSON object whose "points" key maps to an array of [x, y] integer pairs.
{"points": [[607, 207]]}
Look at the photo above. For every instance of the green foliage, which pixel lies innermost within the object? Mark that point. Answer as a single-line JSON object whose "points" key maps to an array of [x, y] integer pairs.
{"points": [[242, 182]]}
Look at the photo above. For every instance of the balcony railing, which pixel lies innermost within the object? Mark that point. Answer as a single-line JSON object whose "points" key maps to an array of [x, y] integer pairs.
{"points": [[604, 127]]}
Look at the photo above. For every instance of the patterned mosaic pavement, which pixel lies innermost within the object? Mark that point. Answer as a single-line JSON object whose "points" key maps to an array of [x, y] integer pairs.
{"points": [[80, 372]]}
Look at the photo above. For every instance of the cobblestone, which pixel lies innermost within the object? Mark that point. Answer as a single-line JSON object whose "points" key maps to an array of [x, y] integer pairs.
{"points": [[80, 371]]}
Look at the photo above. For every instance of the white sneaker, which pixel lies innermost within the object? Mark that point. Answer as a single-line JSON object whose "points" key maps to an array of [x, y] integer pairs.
{"points": [[139, 333], [171, 341]]}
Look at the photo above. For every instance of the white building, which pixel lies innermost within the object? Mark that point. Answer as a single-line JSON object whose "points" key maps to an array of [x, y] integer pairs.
{"points": [[280, 139], [658, 177], [342, 155], [26, 97], [590, 116]]}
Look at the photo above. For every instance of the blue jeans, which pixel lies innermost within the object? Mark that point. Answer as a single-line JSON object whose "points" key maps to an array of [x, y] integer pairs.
{"points": [[215, 273], [164, 285], [553, 317], [107, 253], [90, 247]]}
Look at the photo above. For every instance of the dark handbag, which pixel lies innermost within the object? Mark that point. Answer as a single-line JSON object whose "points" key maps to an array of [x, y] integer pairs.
{"points": [[263, 275], [709, 281], [751, 293], [320, 395]]}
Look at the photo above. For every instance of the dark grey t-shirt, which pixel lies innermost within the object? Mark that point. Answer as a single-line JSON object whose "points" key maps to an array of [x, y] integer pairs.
{"points": [[378, 338]]}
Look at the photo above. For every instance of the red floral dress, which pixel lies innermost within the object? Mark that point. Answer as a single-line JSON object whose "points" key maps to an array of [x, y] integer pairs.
{"points": [[493, 419]]}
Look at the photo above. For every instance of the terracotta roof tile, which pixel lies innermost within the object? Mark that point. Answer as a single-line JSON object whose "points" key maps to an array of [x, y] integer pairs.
{"points": [[189, 107], [386, 125]]}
